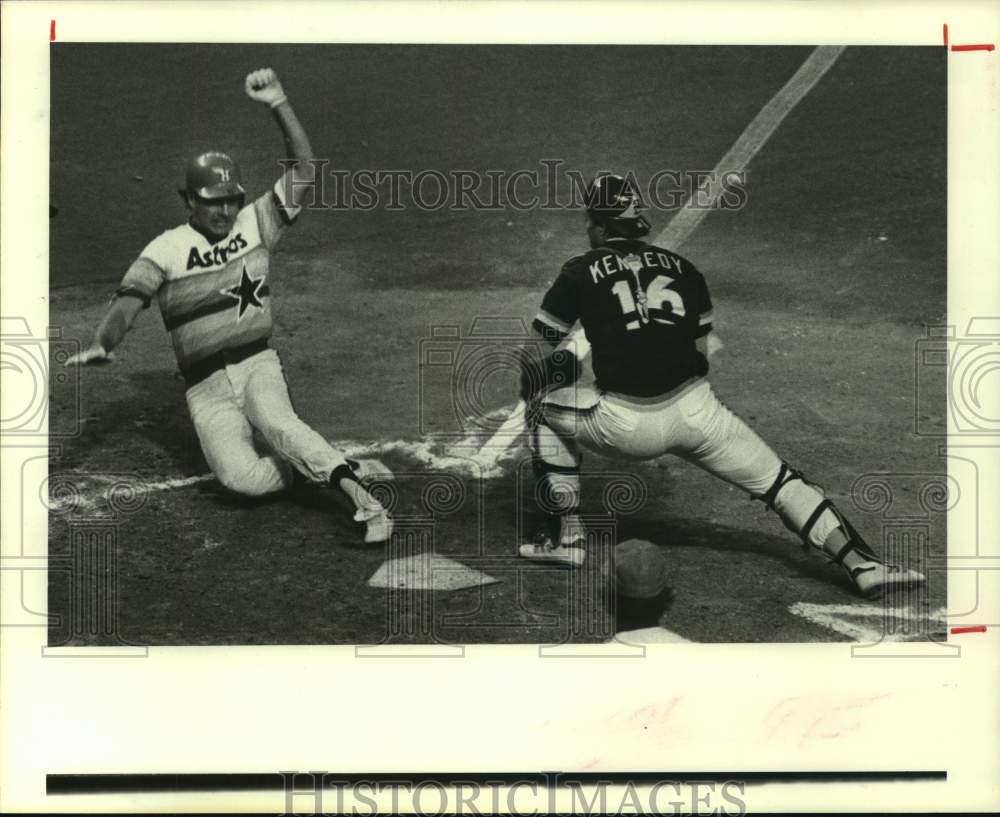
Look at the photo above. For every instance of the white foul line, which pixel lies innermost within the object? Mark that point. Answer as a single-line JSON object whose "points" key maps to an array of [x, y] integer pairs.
{"points": [[837, 617], [91, 489], [687, 219], [760, 129]]}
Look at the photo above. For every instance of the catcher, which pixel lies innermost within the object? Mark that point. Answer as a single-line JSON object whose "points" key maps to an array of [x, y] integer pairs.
{"points": [[647, 314], [210, 279]]}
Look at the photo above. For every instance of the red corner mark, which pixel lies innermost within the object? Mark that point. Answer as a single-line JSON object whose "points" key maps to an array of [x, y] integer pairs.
{"points": [[979, 628], [52, 31], [977, 47]]}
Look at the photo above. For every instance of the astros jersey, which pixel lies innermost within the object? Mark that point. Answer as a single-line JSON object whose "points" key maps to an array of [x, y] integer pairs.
{"points": [[642, 308], [213, 296]]}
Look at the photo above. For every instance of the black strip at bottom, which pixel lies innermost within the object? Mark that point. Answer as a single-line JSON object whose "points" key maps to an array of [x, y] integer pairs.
{"points": [[150, 783]]}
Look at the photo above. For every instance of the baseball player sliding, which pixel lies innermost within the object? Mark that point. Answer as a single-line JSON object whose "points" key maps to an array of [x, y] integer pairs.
{"points": [[210, 279], [647, 313]]}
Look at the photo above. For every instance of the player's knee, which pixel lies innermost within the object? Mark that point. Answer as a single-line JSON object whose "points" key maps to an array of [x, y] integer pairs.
{"points": [[551, 452], [260, 478]]}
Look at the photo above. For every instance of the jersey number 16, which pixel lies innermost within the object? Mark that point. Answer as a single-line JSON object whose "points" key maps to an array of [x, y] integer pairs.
{"points": [[651, 300]]}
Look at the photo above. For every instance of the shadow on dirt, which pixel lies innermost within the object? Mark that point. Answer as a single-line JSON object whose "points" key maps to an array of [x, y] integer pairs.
{"points": [[691, 533]]}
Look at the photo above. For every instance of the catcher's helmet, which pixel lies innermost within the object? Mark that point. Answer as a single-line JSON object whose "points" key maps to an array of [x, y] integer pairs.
{"points": [[614, 202], [213, 175]]}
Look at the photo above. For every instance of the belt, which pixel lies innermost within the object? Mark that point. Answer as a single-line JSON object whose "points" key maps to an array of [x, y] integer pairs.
{"points": [[654, 402], [207, 366]]}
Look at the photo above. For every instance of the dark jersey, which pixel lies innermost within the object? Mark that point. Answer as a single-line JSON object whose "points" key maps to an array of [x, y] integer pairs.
{"points": [[642, 308]]}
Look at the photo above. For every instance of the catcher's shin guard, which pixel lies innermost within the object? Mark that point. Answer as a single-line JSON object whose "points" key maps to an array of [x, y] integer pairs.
{"points": [[806, 512], [556, 463], [557, 493], [804, 509]]}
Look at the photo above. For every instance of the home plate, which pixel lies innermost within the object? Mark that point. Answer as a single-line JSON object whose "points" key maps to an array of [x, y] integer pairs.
{"points": [[428, 571], [651, 635]]}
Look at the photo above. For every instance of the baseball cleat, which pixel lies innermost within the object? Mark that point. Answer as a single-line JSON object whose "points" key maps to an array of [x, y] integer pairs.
{"points": [[544, 550], [571, 533], [378, 524], [368, 470], [875, 579]]}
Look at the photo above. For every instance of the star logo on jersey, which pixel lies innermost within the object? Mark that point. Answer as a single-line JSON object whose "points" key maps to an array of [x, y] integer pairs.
{"points": [[246, 292]]}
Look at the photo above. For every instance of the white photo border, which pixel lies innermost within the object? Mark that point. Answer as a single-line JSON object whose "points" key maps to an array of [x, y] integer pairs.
{"points": [[266, 709]]}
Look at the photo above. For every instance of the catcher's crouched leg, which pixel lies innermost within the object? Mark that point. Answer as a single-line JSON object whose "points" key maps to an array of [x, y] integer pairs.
{"points": [[556, 464], [808, 513], [558, 495]]}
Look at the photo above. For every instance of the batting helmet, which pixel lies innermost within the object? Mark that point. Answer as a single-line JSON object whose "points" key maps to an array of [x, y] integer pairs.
{"points": [[213, 175], [614, 202]]}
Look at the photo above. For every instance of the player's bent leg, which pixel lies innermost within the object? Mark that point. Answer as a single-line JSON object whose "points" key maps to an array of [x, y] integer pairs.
{"points": [[227, 442], [728, 448], [806, 512], [709, 435], [267, 475], [270, 409], [556, 463]]}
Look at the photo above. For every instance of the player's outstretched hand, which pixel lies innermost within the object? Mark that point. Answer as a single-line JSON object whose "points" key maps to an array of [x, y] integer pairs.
{"points": [[90, 355], [263, 86]]}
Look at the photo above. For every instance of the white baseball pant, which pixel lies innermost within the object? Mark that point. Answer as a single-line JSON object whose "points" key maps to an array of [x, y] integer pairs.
{"points": [[690, 422], [249, 432]]}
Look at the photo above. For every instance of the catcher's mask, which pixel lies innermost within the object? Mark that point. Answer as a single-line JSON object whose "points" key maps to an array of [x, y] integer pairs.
{"points": [[613, 202], [213, 175]]}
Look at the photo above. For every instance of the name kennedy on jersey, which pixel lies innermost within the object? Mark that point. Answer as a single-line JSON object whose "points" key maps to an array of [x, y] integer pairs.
{"points": [[610, 264], [219, 254]]}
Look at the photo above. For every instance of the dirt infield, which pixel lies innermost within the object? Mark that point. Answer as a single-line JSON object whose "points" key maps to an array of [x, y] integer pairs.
{"points": [[824, 284]]}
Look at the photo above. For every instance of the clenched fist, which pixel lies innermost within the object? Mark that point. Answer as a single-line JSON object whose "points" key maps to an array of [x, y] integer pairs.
{"points": [[262, 85]]}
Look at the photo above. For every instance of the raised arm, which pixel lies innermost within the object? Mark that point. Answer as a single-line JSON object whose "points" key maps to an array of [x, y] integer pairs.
{"points": [[110, 332], [263, 86]]}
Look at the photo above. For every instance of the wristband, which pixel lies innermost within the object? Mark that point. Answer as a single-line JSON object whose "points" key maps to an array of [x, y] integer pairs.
{"points": [[281, 100]]}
